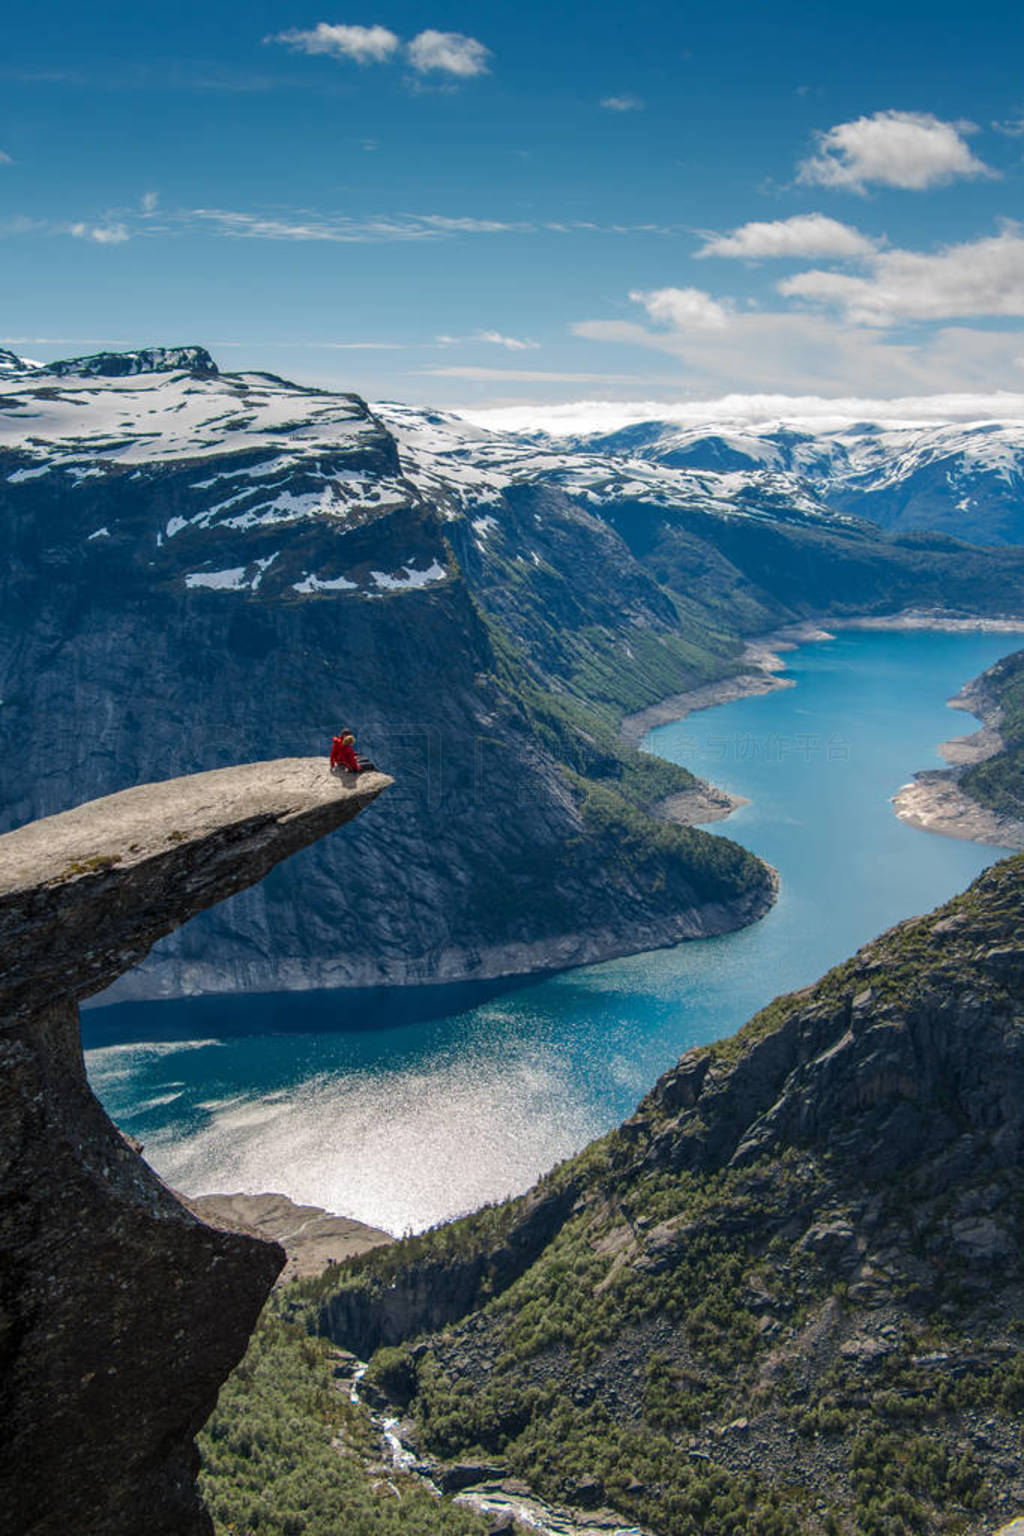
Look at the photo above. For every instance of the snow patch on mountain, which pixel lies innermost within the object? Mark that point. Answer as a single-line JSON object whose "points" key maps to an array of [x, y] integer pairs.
{"points": [[410, 577], [159, 417], [232, 580], [315, 584]]}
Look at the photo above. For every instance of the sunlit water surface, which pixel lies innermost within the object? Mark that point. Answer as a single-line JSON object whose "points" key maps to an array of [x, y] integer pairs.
{"points": [[402, 1109]]}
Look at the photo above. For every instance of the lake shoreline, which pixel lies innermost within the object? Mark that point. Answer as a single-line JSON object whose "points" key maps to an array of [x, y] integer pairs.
{"points": [[313, 1238], [934, 799], [516, 961], [931, 802], [401, 1112]]}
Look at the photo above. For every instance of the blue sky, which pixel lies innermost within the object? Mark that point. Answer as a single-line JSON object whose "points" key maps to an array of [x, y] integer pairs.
{"points": [[476, 204]]}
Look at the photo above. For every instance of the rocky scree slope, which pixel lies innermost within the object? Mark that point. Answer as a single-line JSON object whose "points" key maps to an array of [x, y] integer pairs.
{"points": [[120, 1311], [785, 1297], [203, 566]]}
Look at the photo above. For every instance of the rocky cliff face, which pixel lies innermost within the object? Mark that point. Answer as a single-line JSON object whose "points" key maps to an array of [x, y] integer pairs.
{"points": [[204, 567], [120, 1311], [787, 1292], [197, 567]]}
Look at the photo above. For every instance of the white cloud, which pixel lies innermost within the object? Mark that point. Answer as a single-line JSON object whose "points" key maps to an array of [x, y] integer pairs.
{"points": [[338, 229], [980, 277], [100, 234], [303, 224], [518, 376], [892, 149], [807, 235], [5, 159], [798, 351], [1013, 128], [450, 53], [470, 226], [364, 45], [814, 412], [626, 103], [495, 338], [513, 343], [683, 309], [150, 201]]}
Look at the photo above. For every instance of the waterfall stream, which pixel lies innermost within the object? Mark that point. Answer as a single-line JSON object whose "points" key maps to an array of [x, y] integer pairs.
{"points": [[491, 1498]]}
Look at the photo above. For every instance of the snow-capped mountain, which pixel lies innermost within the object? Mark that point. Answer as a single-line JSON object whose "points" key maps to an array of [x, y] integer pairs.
{"points": [[162, 405], [159, 405], [317, 453], [966, 479], [451, 459], [227, 455], [199, 568]]}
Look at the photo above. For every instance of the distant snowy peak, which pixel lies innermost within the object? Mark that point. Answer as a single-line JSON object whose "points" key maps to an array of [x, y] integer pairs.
{"points": [[463, 465], [965, 478], [828, 454], [115, 365], [72, 414]]}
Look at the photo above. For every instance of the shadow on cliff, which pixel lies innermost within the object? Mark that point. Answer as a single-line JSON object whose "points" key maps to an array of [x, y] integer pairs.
{"points": [[325, 1011]]}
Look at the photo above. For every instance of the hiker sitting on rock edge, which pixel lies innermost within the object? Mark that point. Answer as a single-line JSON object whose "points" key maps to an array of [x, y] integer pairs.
{"points": [[344, 756]]}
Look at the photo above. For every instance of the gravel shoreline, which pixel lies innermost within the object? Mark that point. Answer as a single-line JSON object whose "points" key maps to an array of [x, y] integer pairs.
{"points": [[931, 802], [934, 801]]}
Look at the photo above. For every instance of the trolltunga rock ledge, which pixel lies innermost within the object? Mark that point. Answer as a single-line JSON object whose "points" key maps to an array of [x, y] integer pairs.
{"points": [[121, 1312], [85, 895]]}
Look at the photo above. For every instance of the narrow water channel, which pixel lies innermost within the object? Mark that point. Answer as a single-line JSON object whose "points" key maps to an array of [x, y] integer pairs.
{"points": [[403, 1109]]}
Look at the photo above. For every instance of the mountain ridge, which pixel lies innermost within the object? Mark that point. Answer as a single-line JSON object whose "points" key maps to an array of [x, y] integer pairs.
{"points": [[964, 478], [785, 1294], [202, 567]]}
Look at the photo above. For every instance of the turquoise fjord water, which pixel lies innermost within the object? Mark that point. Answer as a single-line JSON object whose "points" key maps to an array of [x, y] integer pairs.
{"points": [[404, 1108]]}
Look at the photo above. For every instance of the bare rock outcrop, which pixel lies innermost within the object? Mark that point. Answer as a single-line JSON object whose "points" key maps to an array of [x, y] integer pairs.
{"points": [[120, 1311], [311, 1237]]}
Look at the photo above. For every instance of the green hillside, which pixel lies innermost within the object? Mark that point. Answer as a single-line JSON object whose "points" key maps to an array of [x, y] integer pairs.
{"points": [[785, 1297], [999, 782]]}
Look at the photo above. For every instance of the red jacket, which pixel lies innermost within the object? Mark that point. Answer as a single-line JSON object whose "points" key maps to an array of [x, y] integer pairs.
{"points": [[343, 756]]}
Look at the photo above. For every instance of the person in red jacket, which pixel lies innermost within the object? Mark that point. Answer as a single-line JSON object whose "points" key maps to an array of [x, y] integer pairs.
{"points": [[343, 755]]}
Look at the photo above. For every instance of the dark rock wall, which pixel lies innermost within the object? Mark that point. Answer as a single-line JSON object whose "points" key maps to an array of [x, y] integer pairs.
{"points": [[121, 1313], [428, 1296], [112, 670]]}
